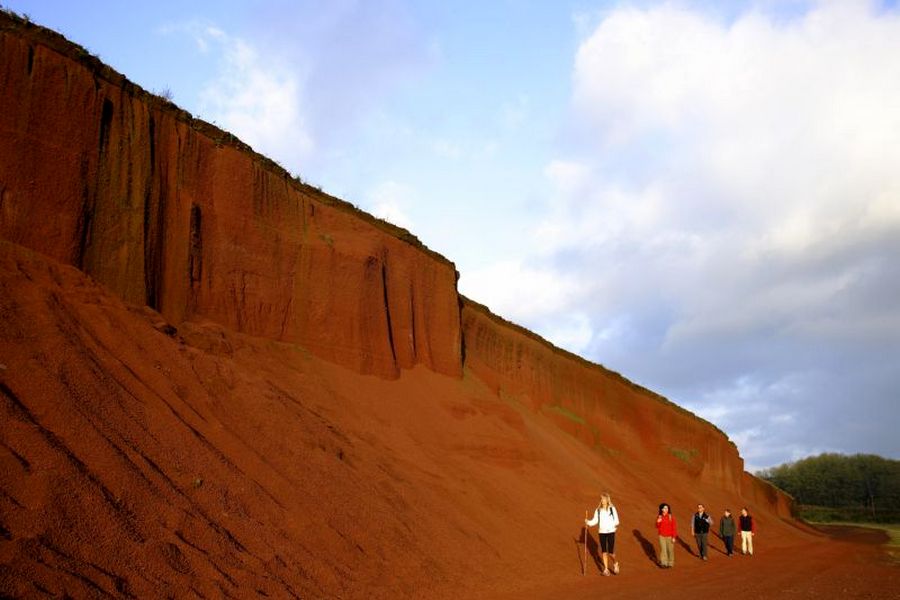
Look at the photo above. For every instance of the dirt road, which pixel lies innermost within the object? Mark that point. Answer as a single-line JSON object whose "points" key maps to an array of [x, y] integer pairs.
{"points": [[848, 563]]}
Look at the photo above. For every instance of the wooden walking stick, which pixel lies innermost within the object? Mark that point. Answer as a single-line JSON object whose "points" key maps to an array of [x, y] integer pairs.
{"points": [[584, 562]]}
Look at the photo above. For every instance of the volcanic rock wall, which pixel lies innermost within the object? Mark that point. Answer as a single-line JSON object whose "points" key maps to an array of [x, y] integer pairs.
{"points": [[171, 212], [602, 408]]}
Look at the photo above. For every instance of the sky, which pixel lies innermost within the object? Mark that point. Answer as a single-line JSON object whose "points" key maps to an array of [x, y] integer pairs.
{"points": [[703, 196]]}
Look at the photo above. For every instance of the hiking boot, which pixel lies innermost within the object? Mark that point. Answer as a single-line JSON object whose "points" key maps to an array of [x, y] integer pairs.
{"points": [[605, 573], [616, 568]]}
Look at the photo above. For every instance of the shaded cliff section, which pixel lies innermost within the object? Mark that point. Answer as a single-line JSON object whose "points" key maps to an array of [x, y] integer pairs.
{"points": [[169, 211], [173, 213], [604, 410]]}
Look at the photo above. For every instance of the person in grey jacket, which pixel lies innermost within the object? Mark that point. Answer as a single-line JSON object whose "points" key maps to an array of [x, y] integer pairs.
{"points": [[727, 530]]}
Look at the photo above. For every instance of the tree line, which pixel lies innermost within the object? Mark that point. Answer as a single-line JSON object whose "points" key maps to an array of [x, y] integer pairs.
{"points": [[837, 487]]}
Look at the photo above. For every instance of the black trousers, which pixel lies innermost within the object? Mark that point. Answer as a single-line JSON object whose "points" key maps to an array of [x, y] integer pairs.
{"points": [[608, 543], [729, 544]]}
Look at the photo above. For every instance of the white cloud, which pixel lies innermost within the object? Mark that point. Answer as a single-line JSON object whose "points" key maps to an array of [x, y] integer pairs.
{"points": [[570, 177], [783, 418], [445, 149], [540, 299], [747, 437], [786, 132], [780, 142], [488, 150], [731, 202], [201, 33], [477, 150], [388, 200], [257, 98], [513, 115], [572, 331], [519, 292]]}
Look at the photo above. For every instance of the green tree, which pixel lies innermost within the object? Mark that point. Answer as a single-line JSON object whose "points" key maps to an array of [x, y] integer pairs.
{"points": [[861, 486]]}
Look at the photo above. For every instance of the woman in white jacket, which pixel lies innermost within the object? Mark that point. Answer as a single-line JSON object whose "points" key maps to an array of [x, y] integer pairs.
{"points": [[606, 517]]}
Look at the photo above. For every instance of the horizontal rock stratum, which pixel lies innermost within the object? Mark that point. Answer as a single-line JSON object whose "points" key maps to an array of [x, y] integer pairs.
{"points": [[217, 380]]}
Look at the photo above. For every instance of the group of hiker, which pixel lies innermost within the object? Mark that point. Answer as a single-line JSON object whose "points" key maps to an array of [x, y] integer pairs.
{"points": [[701, 523], [606, 518]]}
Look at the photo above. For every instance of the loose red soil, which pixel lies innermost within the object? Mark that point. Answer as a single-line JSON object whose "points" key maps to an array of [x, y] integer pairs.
{"points": [[845, 565], [144, 461]]}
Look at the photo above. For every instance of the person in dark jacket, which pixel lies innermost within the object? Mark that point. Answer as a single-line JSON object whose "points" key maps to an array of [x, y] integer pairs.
{"points": [[727, 530], [665, 525], [747, 527], [700, 525]]}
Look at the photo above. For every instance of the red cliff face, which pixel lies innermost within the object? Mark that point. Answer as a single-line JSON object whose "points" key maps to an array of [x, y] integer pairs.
{"points": [[603, 409], [170, 212]]}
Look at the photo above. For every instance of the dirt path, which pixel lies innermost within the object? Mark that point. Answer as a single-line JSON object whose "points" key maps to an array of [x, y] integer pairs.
{"points": [[851, 563]]}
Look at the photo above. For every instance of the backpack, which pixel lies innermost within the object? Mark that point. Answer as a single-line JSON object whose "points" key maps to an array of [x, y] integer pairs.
{"points": [[612, 512]]}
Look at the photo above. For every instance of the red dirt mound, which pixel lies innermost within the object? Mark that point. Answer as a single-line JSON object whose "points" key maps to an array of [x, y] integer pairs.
{"points": [[216, 381]]}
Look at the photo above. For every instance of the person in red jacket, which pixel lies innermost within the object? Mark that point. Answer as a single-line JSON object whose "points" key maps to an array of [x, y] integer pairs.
{"points": [[665, 525]]}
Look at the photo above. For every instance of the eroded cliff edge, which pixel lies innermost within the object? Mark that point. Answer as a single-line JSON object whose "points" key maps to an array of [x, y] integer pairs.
{"points": [[171, 212]]}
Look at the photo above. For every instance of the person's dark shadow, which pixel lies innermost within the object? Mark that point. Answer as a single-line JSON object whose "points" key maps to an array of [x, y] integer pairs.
{"points": [[686, 546], [646, 546], [716, 536], [593, 551]]}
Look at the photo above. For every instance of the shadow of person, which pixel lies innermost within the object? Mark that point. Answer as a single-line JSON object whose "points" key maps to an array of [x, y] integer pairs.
{"points": [[686, 546], [716, 536], [581, 549], [593, 550], [646, 546]]}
